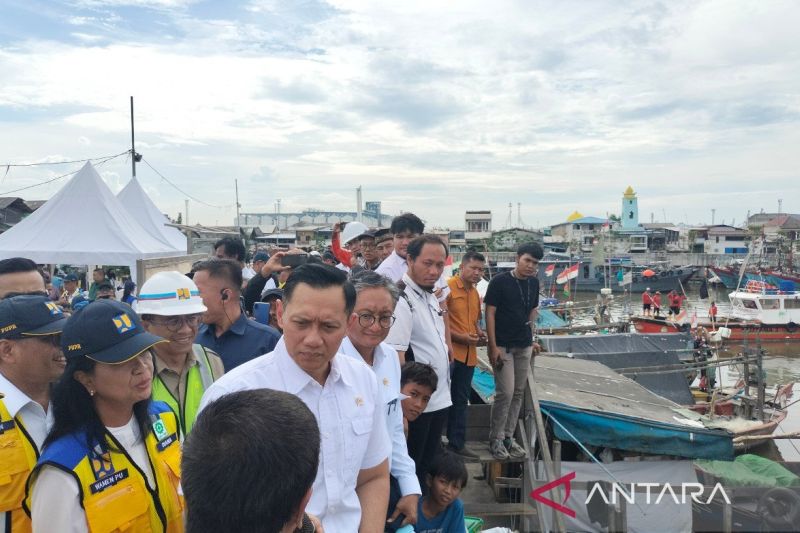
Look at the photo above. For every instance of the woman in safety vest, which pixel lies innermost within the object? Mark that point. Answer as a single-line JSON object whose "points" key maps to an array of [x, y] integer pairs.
{"points": [[112, 459]]}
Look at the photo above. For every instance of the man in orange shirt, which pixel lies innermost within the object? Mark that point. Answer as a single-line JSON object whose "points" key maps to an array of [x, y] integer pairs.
{"points": [[463, 312]]}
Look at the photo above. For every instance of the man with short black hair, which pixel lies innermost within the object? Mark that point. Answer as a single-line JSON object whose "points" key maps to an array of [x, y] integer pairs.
{"points": [[405, 228], [463, 313], [105, 291], [419, 326], [226, 330], [98, 277], [30, 362], [20, 275], [233, 249], [255, 455], [512, 299], [351, 490]]}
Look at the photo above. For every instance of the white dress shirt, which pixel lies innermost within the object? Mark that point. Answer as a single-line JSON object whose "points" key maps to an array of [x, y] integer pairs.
{"points": [[394, 267], [423, 330], [56, 496], [37, 422], [386, 366], [351, 423]]}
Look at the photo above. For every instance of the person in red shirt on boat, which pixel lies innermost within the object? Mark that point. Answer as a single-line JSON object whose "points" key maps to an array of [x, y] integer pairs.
{"points": [[712, 314], [647, 302], [657, 304], [674, 303]]}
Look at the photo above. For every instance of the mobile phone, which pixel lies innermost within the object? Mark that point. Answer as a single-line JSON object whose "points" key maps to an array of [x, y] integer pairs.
{"points": [[261, 312], [394, 526], [294, 260]]}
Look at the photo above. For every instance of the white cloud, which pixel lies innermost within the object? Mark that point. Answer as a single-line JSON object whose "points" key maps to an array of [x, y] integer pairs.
{"points": [[439, 106]]}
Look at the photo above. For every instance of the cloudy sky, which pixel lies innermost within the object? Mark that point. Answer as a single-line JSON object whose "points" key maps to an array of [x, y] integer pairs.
{"points": [[434, 107]]}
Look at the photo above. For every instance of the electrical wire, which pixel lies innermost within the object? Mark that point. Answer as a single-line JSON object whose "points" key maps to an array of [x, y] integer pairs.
{"points": [[12, 165], [51, 180], [182, 191]]}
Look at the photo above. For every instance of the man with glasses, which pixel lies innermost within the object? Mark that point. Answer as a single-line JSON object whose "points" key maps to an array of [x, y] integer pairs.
{"points": [[30, 361], [171, 307], [376, 297]]}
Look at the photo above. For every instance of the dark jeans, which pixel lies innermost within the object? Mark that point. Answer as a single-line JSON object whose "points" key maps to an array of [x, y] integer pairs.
{"points": [[425, 441], [460, 385]]}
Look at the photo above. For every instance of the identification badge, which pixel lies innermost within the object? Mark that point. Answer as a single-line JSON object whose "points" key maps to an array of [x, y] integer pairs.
{"points": [[160, 430], [5, 426]]}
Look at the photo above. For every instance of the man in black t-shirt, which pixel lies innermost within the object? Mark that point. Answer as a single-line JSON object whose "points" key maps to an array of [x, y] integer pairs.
{"points": [[511, 302]]}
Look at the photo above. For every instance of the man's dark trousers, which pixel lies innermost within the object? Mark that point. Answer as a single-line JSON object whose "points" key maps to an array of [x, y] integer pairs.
{"points": [[460, 386]]}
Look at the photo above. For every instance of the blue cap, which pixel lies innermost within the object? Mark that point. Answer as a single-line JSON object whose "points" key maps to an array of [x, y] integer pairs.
{"points": [[261, 256], [106, 331], [27, 315], [70, 277]]}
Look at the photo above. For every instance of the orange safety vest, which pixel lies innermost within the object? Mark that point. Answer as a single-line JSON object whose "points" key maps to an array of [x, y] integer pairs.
{"points": [[18, 456]]}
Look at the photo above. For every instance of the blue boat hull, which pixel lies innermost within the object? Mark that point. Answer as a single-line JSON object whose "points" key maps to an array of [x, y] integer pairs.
{"points": [[645, 436]]}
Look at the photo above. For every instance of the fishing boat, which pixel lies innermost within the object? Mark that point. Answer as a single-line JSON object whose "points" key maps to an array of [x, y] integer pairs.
{"points": [[737, 416], [600, 407], [760, 311]]}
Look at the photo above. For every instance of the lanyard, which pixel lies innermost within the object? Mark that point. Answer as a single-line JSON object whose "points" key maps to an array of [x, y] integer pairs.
{"points": [[526, 302]]}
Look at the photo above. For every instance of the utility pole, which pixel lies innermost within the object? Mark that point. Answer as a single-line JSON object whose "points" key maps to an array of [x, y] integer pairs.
{"points": [[713, 215], [780, 205], [135, 158], [186, 203], [238, 205]]}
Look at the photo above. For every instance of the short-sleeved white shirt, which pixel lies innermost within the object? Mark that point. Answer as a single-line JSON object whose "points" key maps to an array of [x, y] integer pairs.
{"points": [[351, 422], [386, 366], [423, 330]]}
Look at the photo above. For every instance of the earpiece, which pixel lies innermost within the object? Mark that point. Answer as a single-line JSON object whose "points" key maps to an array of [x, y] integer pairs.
{"points": [[224, 294]]}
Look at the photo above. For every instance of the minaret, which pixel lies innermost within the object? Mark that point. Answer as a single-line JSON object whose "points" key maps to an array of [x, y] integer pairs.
{"points": [[630, 210]]}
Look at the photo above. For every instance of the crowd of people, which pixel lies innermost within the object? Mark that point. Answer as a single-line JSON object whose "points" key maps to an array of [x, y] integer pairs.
{"points": [[300, 392]]}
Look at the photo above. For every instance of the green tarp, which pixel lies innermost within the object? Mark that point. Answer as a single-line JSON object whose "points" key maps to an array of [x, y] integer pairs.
{"points": [[750, 471]]}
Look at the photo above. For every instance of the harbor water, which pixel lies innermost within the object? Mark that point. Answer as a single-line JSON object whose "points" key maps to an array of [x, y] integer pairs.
{"points": [[781, 362]]}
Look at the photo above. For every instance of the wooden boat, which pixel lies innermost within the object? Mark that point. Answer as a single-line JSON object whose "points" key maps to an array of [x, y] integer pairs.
{"points": [[734, 415], [598, 407]]}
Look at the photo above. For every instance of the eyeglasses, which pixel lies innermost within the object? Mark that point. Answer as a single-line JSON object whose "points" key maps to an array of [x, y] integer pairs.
{"points": [[53, 340], [175, 323], [368, 245], [366, 320]]}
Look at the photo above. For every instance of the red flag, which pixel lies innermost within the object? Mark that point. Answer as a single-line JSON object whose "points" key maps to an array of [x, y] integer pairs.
{"points": [[567, 274], [549, 271]]}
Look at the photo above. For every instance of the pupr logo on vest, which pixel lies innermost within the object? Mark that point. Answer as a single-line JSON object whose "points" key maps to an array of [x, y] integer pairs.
{"points": [[54, 309], [183, 294], [123, 323]]}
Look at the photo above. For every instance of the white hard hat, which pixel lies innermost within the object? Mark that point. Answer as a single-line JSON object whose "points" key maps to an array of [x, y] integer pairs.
{"points": [[353, 230], [169, 294]]}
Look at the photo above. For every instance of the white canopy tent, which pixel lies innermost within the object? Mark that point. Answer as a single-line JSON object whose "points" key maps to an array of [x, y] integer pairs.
{"points": [[139, 204], [83, 224]]}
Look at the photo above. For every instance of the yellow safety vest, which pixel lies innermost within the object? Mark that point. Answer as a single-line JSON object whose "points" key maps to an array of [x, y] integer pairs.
{"points": [[114, 490], [198, 379], [18, 456]]}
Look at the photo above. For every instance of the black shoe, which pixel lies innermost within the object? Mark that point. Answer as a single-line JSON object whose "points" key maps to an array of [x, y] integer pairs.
{"points": [[463, 452]]}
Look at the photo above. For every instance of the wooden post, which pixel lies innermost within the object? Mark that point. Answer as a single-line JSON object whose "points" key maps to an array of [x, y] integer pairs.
{"points": [[542, 438]]}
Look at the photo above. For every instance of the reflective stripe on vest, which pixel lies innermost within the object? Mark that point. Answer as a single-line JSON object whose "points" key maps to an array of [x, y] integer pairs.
{"points": [[198, 379], [18, 456], [114, 490]]}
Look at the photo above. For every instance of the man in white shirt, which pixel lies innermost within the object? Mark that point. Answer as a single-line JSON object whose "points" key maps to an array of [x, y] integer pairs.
{"points": [[351, 489], [376, 298], [419, 326], [30, 360]]}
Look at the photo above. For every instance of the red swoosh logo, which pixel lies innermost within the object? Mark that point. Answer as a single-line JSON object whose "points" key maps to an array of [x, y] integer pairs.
{"points": [[537, 494]]}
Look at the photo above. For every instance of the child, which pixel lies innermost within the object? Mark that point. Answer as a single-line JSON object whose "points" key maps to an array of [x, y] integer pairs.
{"points": [[418, 381], [441, 511]]}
